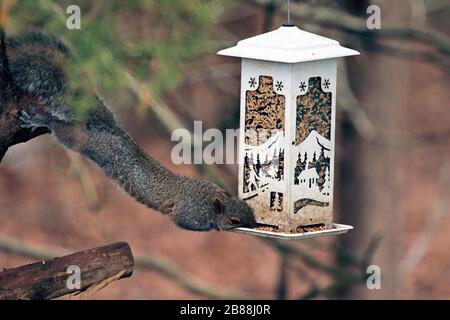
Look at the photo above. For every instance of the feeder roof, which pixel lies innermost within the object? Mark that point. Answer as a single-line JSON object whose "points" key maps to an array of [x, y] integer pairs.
{"points": [[288, 44]]}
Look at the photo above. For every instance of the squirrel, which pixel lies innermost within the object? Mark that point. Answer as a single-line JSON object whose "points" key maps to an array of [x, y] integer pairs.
{"points": [[36, 65]]}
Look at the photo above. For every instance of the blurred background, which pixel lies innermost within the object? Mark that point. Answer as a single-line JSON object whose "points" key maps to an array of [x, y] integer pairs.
{"points": [[154, 62]]}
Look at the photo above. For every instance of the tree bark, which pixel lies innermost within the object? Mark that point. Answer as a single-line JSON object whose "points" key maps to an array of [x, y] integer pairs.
{"points": [[50, 279]]}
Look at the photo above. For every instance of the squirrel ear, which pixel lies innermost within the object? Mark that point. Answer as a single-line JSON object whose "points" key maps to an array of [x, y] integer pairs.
{"points": [[218, 204], [224, 192]]}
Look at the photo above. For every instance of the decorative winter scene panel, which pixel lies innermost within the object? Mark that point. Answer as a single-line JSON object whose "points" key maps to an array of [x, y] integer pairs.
{"points": [[301, 194], [264, 151], [311, 193]]}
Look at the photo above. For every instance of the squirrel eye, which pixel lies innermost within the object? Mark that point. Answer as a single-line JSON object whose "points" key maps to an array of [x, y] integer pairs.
{"points": [[235, 220]]}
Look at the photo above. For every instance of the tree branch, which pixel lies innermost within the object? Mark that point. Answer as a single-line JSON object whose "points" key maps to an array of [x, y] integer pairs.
{"points": [[49, 279], [367, 130], [346, 22], [165, 268]]}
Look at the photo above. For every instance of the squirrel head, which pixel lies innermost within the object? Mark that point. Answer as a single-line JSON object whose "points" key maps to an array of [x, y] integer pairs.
{"points": [[204, 206], [231, 212]]}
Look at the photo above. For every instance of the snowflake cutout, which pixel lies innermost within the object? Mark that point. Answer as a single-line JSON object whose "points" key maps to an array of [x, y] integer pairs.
{"points": [[252, 82], [302, 86], [327, 83], [279, 85]]}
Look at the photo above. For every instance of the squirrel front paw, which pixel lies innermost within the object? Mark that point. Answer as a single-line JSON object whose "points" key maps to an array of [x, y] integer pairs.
{"points": [[27, 121], [31, 120]]}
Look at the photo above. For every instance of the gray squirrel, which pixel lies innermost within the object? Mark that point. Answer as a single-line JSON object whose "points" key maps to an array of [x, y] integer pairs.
{"points": [[36, 66]]}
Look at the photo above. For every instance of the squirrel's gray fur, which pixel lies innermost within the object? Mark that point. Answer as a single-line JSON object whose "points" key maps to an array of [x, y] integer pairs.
{"points": [[191, 203]]}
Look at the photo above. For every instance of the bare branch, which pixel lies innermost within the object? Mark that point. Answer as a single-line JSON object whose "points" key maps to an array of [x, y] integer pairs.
{"points": [[424, 240], [165, 268], [364, 126], [343, 21], [309, 260], [48, 279], [168, 119], [282, 286]]}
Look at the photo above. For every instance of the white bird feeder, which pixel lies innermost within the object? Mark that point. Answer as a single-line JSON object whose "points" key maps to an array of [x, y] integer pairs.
{"points": [[287, 125]]}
